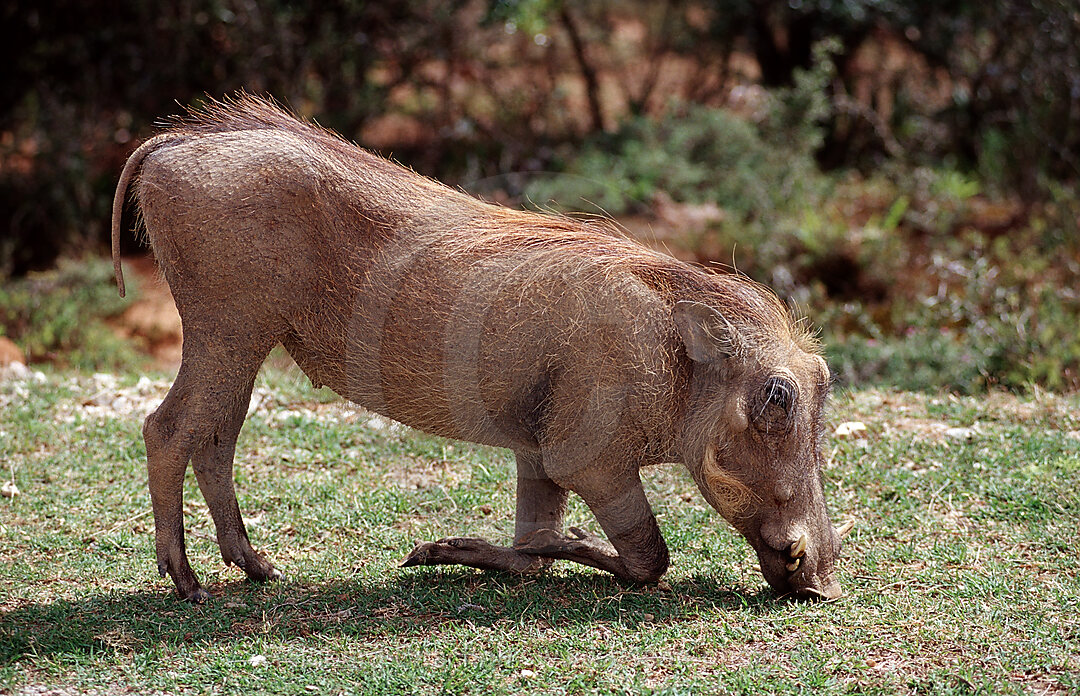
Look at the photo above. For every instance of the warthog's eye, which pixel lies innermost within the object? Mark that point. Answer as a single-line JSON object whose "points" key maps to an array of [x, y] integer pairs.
{"points": [[780, 392], [775, 403]]}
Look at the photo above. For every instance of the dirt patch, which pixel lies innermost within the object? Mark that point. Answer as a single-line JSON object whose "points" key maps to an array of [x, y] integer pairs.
{"points": [[152, 320], [10, 353], [909, 413]]}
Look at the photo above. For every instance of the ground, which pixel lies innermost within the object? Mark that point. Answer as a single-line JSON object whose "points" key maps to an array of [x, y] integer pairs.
{"points": [[960, 576]]}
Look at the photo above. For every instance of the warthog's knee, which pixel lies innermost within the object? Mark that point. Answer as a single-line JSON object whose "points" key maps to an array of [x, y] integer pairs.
{"points": [[649, 568], [646, 560], [159, 428]]}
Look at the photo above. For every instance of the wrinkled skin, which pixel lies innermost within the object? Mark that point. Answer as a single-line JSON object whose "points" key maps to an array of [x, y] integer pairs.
{"points": [[587, 355]]}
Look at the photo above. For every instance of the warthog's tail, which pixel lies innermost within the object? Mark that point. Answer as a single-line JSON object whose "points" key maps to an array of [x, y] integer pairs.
{"points": [[126, 176]]}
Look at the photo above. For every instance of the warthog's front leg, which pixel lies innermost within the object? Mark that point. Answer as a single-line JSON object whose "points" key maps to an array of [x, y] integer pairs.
{"points": [[540, 505], [637, 551], [473, 552]]}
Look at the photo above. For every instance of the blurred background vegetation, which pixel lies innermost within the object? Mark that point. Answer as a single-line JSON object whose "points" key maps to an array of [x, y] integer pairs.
{"points": [[905, 172]]}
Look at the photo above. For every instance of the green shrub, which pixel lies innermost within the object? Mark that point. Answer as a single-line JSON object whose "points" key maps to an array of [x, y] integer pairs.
{"points": [[60, 316], [694, 154], [964, 312]]}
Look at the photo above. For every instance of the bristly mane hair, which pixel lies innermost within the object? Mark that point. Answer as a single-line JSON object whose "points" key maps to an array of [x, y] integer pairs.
{"points": [[749, 306]]}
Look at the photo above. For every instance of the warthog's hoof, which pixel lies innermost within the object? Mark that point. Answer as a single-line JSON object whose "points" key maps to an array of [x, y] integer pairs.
{"points": [[274, 575], [263, 572], [198, 596]]}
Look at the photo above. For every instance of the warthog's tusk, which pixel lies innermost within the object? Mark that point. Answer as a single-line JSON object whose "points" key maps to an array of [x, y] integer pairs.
{"points": [[846, 527], [794, 565], [798, 548]]}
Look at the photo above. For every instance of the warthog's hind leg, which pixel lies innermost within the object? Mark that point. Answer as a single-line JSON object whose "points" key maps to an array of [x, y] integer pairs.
{"points": [[200, 417], [168, 449], [213, 464]]}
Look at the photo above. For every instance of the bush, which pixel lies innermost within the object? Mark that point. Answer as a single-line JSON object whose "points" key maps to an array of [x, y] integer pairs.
{"points": [[967, 310], [760, 174], [694, 154], [61, 316]]}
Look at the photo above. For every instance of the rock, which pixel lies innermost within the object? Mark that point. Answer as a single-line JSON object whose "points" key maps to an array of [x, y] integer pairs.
{"points": [[15, 371], [9, 489], [469, 607], [255, 401], [850, 428], [963, 434], [10, 353], [104, 380]]}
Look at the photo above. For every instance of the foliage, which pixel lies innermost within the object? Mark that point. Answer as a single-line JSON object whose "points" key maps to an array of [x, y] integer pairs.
{"points": [[694, 155], [955, 305], [82, 83], [759, 174], [1015, 72], [470, 91], [61, 316], [959, 576], [1011, 72]]}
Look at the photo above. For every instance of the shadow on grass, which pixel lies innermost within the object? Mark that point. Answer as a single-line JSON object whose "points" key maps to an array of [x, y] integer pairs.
{"points": [[403, 605]]}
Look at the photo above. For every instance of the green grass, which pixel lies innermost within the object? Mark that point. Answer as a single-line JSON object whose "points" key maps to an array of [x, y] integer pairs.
{"points": [[961, 576]]}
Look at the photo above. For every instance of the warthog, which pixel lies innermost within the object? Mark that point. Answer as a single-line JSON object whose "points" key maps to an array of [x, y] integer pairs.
{"points": [[587, 354]]}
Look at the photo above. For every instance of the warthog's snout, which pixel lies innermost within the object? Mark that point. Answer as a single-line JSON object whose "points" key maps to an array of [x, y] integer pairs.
{"points": [[803, 568]]}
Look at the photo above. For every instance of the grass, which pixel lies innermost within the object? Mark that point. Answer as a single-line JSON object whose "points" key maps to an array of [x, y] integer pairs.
{"points": [[961, 576]]}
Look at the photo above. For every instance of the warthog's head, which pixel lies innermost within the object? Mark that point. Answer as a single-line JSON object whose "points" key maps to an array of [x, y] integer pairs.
{"points": [[752, 441]]}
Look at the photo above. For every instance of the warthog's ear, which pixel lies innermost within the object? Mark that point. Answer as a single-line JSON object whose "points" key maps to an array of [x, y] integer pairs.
{"points": [[709, 337]]}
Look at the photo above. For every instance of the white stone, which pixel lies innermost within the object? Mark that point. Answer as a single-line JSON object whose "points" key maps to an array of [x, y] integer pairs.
{"points": [[966, 434], [849, 428], [16, 370]]}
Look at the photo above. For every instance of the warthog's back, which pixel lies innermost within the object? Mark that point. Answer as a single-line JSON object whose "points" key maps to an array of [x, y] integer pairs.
{"points": [[455, 316]]}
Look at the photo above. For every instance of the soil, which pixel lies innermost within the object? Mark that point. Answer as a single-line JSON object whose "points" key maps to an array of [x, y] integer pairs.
{"points": [[10, 353], [152, 320]]}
